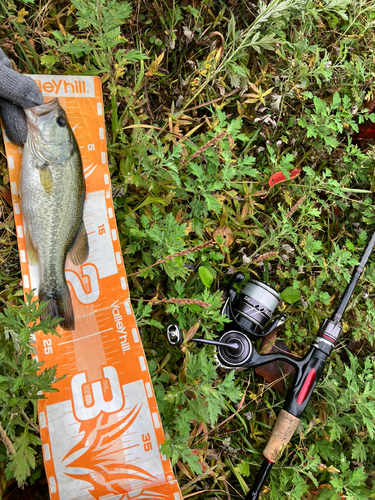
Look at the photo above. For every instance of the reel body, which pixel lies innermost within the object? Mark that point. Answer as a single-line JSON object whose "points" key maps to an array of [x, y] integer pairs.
{"points": [[250, 312]]}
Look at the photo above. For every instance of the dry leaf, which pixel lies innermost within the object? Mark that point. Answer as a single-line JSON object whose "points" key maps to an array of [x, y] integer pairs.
{"points": [[5, 194], [333, 469], [190, 334], [21, 15], [183, 469], [245, 210], [271, 371], [154, 66], [226, 233]]}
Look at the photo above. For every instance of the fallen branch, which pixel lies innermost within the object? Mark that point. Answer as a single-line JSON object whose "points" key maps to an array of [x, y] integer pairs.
{"points": [[181, 302], [177, 254]]}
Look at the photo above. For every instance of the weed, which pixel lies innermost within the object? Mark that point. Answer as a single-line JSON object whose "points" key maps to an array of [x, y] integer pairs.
{"points": [[22, 381]]}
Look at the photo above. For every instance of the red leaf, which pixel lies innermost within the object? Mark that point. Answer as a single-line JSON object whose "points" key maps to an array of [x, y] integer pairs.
{"points": [[275, 372], [366, 131], [280, 177], [370, 105], [196, 452]]}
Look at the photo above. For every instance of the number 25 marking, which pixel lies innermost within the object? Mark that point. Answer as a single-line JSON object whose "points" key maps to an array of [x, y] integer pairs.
{"points": [[47, 344]]}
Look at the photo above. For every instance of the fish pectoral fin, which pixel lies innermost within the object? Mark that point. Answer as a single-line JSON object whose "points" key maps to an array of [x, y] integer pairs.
{"points": [[32, 253], [80, 248], [45, 177]]}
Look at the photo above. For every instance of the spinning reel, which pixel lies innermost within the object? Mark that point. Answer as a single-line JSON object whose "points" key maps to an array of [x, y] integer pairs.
{"points": [[250, 312]]}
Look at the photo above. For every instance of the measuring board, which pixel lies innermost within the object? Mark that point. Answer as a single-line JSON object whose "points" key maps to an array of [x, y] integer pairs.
{"points": [[101, 432]]}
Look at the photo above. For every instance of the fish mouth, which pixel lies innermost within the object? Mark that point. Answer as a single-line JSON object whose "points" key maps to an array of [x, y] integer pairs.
{"points": [[37, 117], [42, 112]]}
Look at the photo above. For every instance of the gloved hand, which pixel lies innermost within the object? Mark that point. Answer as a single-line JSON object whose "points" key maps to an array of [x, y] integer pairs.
{"points": [[16, 92]]}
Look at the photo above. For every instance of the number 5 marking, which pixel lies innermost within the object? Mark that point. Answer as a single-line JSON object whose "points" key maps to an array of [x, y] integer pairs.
{"points": [[83, 412]]}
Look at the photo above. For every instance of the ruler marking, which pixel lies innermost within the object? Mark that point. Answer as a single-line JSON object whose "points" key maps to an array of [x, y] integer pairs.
{"points": [[86, 337]]}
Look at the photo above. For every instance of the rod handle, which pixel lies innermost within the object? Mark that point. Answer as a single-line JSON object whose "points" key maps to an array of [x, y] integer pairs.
{"points": [[282, 433]]}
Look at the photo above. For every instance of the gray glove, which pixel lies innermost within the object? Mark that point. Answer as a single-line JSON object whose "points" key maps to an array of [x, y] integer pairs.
{"points": [[16, 92]]}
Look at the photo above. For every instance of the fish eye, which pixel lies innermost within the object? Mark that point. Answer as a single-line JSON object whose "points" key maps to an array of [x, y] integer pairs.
{"points": [[61, 122]]}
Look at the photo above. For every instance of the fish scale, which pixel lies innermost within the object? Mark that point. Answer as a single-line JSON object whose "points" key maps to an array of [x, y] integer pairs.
{"points": [[52, 192]]}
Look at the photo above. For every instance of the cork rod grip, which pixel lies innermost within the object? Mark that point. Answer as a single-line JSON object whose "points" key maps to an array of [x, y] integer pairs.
{"points": [[282, 433]]}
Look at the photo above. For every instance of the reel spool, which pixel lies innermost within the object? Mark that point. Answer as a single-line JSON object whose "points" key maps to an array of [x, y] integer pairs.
{"points": [[253, 307]]}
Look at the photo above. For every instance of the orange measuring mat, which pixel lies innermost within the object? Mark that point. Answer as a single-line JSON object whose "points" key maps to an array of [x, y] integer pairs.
{"points": [[101, 432]]}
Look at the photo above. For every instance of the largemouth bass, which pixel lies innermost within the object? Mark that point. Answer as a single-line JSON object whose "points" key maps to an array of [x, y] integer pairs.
{"points": [[52, 190]]}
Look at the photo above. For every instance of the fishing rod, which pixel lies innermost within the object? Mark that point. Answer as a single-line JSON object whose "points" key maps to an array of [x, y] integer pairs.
{"points": [[249, 312]]}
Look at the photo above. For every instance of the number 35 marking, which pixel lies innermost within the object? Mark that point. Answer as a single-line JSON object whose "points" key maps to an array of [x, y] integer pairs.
{"points": [[146, 442]]}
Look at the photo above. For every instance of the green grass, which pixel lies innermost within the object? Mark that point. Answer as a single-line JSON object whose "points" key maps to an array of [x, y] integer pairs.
{"points": [[204, 103]]}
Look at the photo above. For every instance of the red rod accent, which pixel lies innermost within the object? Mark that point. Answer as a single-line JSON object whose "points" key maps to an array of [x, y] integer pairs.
{"points": [[329, 338], [305, 389]]}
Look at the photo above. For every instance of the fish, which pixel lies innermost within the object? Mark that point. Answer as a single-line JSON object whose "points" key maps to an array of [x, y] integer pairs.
{"points": [[52, 191]]}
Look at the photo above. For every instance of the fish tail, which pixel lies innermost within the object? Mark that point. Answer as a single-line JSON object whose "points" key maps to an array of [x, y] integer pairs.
{"points": [[59, 306]]}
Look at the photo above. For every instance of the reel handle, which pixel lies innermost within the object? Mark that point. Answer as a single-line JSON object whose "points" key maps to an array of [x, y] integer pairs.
{"points": [[174, 335], [238, 277], [175, 338]]}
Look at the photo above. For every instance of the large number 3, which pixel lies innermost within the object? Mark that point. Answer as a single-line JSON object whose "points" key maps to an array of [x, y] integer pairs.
{"points": [[83, 412]]}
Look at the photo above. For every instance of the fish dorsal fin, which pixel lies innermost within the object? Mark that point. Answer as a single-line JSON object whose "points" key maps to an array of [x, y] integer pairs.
{"points": [[79, 251], [45, 177], [32, 253]]}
